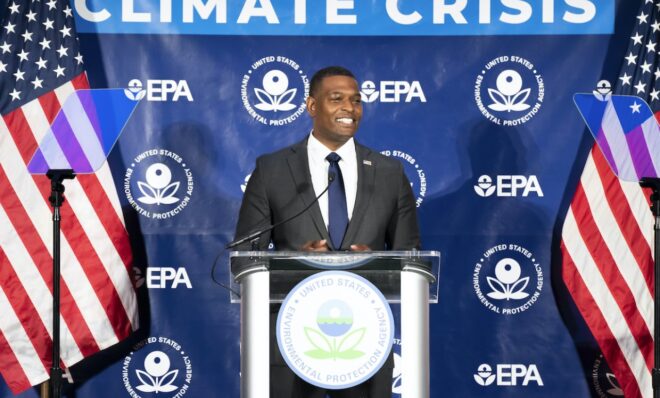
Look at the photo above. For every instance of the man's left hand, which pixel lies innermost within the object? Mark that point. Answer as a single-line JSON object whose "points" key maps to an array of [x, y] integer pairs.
{"points": [[360, 248]]}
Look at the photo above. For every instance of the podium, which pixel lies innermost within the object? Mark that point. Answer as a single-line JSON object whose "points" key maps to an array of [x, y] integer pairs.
{"points": [[264, 277]]}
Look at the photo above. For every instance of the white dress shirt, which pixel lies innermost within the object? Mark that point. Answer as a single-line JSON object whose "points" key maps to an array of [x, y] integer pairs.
{"points": [[318, 167]]}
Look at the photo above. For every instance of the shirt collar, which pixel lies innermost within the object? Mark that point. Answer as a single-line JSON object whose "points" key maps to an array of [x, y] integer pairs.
{"points": [[317, 149]]}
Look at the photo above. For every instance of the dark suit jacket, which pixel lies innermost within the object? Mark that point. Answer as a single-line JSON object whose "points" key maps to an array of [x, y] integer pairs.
{"points": [[384, 216]]}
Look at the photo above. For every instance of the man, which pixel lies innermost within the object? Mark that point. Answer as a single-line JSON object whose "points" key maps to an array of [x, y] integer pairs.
{"points": [[369, 204]]}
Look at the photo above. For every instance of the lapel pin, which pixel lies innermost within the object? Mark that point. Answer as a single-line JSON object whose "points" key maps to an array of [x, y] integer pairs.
{"points": [[367, 162]]}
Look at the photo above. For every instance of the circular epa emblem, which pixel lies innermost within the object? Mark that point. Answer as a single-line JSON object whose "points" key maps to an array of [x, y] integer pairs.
{"points": [[158, 184], [509, 91], [335, 329], [157, 365], [508, 279], [274, 90]]}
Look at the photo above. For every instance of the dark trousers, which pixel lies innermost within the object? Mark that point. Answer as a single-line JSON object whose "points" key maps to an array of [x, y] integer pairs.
{"points": [[286, 384]]}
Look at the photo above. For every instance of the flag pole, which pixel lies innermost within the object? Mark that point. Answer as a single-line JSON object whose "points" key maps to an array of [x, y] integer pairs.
{"points": [[56, 200], [654, 184]]}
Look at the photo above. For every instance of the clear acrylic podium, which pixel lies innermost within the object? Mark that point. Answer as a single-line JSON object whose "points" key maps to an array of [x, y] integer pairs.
{"points": [[264, 277]]}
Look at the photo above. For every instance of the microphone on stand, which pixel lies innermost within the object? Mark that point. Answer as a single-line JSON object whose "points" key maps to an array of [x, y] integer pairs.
{"points": [[258, 233]]}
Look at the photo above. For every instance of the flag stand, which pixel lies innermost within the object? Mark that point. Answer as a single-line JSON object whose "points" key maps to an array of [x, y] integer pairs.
{"points": [[56, 200], [654, 184]]}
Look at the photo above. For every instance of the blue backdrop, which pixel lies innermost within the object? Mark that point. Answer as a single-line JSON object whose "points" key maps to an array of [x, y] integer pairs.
{"points": [[474, 100]]}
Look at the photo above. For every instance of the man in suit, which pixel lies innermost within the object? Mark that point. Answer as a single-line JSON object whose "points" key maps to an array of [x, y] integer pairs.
{"points": [[369, 206]]}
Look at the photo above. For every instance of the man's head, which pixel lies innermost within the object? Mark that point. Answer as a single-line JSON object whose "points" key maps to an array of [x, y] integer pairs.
{"points": [[335, 105]]}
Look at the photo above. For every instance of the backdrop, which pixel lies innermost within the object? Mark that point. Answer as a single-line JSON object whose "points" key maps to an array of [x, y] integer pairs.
{"points": [[476, 102]]}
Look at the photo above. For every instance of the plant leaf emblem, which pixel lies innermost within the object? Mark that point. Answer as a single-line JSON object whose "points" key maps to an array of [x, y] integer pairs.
{"points": [[266, 102], [150, 196], [499, 101], [148, 383], [318, 340]]}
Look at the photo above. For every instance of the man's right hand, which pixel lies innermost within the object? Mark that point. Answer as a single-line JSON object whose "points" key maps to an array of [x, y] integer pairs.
{"points": [[316, 246]]}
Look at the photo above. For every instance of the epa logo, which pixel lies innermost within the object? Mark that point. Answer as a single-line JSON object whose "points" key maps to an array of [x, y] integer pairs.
{"points": [[157, 365], [484, 375], [158, 184], [508, 279], [159, 90], [508, 375], [167, 277], [392, 91], [162, 278], [274, 90], [335, 329], [508, 186], [509, 91]]}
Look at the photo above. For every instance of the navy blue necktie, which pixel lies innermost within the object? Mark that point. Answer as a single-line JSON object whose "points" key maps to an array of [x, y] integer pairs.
{"points": [[337, 213]]}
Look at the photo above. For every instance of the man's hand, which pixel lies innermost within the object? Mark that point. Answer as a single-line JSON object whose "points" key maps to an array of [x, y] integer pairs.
{"points": [[316, 246], [360, 248]]}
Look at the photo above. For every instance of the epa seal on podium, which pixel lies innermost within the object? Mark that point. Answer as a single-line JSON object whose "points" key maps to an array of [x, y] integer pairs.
{"points": [[335, 329]]}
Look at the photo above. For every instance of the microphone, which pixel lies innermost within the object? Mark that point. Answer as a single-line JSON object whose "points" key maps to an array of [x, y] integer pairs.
{"points": [[258, 233]]}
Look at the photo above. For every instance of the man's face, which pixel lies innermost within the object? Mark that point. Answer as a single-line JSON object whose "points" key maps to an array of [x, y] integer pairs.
{"points": [[336, 109]]}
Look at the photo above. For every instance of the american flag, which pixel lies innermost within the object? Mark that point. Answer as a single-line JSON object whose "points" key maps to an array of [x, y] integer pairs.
{"points": [[607, 237], [40, 65]]}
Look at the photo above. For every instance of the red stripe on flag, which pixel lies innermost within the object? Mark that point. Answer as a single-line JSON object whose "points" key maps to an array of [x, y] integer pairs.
{"points": [[80, 82], [25, 310], [21, 134], [11, 369], [39, 252], [647, 195], [624, 216], [50, 105], [606, 264], [95, 271], [596, 322], [106, 212]]}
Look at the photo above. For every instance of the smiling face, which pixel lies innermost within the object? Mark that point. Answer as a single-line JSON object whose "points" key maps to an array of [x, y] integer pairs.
{"points": [[336, 108]]}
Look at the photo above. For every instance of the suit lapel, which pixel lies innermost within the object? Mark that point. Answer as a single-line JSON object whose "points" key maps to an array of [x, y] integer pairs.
{"points": [[366, 168], [299, 168]]}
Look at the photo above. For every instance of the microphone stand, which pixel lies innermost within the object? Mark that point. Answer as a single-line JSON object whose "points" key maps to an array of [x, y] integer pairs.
{"points": [[56, 199], [654, 184], [254, 237]]}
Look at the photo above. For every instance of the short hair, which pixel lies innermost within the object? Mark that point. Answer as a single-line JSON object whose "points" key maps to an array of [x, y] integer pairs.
{"points": [[329, 71]]}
